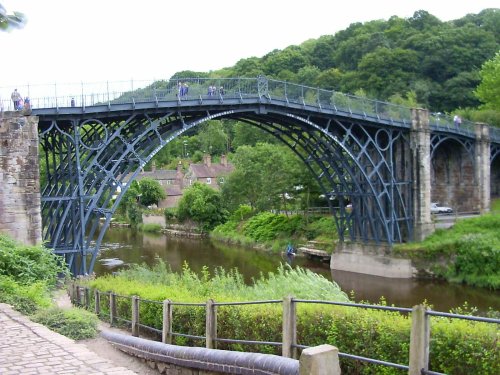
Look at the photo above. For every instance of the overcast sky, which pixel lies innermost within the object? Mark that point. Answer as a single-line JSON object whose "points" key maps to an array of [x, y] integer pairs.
{"points": [[111, 40]]}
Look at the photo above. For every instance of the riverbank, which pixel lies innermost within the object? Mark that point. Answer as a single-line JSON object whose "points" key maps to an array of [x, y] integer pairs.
{"points": [[388, 334], [464, 253]]}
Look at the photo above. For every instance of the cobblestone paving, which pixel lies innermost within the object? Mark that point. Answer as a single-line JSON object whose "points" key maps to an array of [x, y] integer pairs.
{"points": [[29, 348]]}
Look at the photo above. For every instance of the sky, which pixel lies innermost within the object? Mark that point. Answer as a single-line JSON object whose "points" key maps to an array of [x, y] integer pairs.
{"points": [[68, 41]]}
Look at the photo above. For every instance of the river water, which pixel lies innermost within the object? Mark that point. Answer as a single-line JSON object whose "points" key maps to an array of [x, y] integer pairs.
{"points": [[122, 247]]}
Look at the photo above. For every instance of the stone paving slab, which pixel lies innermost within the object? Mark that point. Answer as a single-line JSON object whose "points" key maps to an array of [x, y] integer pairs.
{"points": [[29, 348]]}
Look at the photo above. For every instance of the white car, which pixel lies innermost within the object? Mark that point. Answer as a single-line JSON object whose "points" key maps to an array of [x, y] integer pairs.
{"points": [[436, 208]]}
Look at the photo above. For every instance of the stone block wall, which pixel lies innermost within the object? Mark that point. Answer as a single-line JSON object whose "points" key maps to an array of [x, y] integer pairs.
{"points": [[20, 212], [453, 180]]}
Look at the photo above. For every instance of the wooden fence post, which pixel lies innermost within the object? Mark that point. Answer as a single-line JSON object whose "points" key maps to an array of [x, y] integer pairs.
{"points": [[97, 302], [78, 296], [87, 297], [289, 328], [71, 290], [135, 316], [112, 307], [419, 341], [211, 324], [166, 336]]}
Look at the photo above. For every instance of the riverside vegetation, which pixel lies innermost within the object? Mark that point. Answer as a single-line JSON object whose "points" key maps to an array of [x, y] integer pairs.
{"points": [[28, 279], [458, 347], [468, 252]]}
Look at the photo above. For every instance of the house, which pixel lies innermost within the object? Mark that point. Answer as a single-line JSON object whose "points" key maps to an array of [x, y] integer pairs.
{"points": [[208, 173], [175, 181]]}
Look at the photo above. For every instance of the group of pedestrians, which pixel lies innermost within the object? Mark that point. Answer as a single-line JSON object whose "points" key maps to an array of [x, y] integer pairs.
{"points": [[182, 89], [19, 102], [212, 90]]}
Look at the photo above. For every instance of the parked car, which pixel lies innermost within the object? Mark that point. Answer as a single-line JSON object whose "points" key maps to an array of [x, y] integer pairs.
{"points": [[436, 208]]}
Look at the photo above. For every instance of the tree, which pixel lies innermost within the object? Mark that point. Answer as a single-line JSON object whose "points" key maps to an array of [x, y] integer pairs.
{"points": [[212, 138], [265, 177], [248, 135], [151, 191], [203, 205], [16, 20], [488, 90]]}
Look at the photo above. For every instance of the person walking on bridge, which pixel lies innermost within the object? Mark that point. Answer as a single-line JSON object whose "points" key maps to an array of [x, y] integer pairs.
{"points": [[16, 98]]}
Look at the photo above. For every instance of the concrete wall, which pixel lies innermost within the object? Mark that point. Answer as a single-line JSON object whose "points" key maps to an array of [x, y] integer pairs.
{"points": [[154, 219], [371, 259], [20, 213]]}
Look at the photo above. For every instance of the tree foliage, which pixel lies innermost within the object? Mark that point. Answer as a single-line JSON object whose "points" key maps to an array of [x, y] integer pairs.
{"points": [[439, 61], [151, 192], [265, 177], [488, 90], [203, 205]]}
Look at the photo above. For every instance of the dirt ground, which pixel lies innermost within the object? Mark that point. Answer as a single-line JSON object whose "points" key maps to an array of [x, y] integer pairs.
{"points": [[104, 349]]}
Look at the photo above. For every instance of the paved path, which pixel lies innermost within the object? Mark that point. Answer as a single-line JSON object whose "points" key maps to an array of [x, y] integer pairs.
{"points": [[28, 348]]}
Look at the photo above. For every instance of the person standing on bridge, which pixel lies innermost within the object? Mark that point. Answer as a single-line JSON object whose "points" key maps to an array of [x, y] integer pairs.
{"points": [[16, 99], [457, 121]]}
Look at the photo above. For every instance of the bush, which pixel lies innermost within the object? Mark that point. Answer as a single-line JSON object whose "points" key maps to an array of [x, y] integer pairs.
{"points": [[170, 214], [26, 299], [267, 226], [469, 251], [457, 346], [74, 323], [29, 264], [150, 228]]}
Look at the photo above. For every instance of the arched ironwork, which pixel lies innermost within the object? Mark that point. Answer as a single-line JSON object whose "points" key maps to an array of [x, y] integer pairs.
{"points": [[358, 150]]}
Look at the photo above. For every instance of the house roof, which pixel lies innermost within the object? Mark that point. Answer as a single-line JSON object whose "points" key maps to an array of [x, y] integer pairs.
{"points": [[215, 170], [159, 174], [173, 190]]}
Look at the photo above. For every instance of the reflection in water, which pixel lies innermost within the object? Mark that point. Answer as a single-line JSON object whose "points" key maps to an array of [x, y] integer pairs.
{"points": [[129, 247]]}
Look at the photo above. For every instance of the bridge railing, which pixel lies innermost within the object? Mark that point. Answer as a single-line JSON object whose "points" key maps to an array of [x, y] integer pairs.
{"points": [[339, 102], [137, 91], [443, 122], [120, 92], [105, 304]]}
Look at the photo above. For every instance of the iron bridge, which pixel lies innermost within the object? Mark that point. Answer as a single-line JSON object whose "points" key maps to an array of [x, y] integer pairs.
{"points": [[357, 149]]}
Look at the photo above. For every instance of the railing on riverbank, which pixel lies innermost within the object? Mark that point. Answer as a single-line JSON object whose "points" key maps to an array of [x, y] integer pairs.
{"points": [[420, 335]]}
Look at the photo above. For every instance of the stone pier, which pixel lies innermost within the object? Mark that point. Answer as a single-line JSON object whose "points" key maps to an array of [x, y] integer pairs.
{"points": [[420, 140], [20, 212]]}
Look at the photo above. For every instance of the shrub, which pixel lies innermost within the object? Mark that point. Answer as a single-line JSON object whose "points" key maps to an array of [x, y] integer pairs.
{"points": [[468, 252], [28, 264], [74, 323], [267, 226], [26, 299], [457, 346], [150, 228]]}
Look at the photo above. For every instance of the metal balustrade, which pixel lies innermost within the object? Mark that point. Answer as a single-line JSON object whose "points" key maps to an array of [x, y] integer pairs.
{"points": [[84, 95], [420, 335]]}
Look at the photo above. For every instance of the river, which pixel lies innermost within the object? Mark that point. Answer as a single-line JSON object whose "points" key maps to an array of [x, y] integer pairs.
{"points": [[122, 247]]}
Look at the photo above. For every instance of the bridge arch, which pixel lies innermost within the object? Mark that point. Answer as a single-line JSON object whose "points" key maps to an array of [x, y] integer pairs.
{"points": [[453, 175], [372, 154], [345, 158]]}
